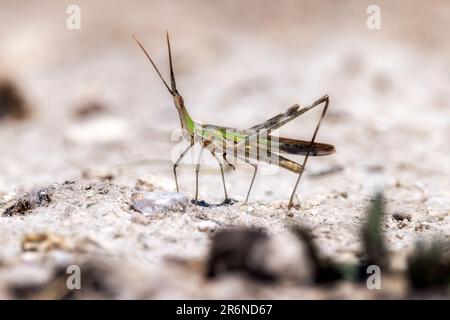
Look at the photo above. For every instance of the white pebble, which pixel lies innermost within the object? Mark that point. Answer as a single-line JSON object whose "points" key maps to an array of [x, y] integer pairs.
{"points": [[206, 226]]}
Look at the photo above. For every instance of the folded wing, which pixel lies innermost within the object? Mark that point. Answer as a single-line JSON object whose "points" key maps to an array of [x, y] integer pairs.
{"points": [[301, 147], [268, 124]]}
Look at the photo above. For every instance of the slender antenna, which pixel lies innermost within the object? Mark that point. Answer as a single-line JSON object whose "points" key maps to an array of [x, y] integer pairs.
{"points": [[153, 64], [172, 77]]}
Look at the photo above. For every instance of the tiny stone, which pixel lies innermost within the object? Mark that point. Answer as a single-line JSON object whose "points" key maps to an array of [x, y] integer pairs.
{"points": [[89, 109], [149, 203], [139, 218], [344, 195], [43, 242], [422, 226], [403, 224], [289, 214], [400, 216], [207, 226], [29, 202], [100, 173], [101, 188], [144, 185], [153, 183]]}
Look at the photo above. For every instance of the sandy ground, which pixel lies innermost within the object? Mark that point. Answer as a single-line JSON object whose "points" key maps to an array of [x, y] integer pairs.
{"points": [[236, 65]]}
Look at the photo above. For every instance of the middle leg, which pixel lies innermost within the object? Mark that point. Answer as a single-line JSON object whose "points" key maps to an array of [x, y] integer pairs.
{"points": [[197, 170], [223, 176]]}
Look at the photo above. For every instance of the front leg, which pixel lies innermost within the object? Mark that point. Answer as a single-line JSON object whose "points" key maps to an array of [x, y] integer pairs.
{"points": [[178, 162], [223, 176], [197, 170]]}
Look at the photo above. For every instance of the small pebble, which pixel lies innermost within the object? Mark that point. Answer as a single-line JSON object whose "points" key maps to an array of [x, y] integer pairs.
{"points": [[207, 226], [154, 183], [344, 195], [89, 109], [29, 202], [400, 216], [149, 203], [139, 218], [403, 224], [43, 242], [100, 172], [422, 226], [101, 188]]}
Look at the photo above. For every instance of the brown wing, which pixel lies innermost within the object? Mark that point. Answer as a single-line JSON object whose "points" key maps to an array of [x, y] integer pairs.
{"points": [[267, 157], [301, 147]]}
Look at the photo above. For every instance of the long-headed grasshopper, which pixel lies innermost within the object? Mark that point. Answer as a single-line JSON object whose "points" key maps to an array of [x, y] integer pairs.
{"points": [[250, 145]]}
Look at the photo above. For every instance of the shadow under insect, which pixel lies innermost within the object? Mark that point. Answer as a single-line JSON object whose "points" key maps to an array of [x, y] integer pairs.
{"points": [[203, 203]]}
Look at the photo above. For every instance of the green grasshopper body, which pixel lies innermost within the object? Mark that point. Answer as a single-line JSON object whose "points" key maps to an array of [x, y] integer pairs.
{"points": [[250, 145]]}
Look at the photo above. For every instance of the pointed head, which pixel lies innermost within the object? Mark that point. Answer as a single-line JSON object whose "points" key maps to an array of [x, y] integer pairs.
{"points": [[177, 98]]}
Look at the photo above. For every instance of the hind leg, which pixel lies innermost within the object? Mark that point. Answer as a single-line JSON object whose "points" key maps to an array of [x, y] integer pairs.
{"points": [[178, 162], [316, 103]]}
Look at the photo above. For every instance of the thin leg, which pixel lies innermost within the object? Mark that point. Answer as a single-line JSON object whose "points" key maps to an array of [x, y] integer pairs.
{"points": [[318, 102], [197, 170], [178, 162], [246, 160], [223, 176], [253, 180]]}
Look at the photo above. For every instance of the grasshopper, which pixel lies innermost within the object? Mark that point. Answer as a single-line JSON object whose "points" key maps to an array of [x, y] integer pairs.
{"points": [[245, 145]]}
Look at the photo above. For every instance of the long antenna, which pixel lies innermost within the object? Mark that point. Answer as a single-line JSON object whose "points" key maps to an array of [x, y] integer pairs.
{"points": [[153, 64], [172, 77]]}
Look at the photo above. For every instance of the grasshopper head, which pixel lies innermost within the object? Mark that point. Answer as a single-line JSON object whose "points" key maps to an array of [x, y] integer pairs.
{"points": [[179, 101]]}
